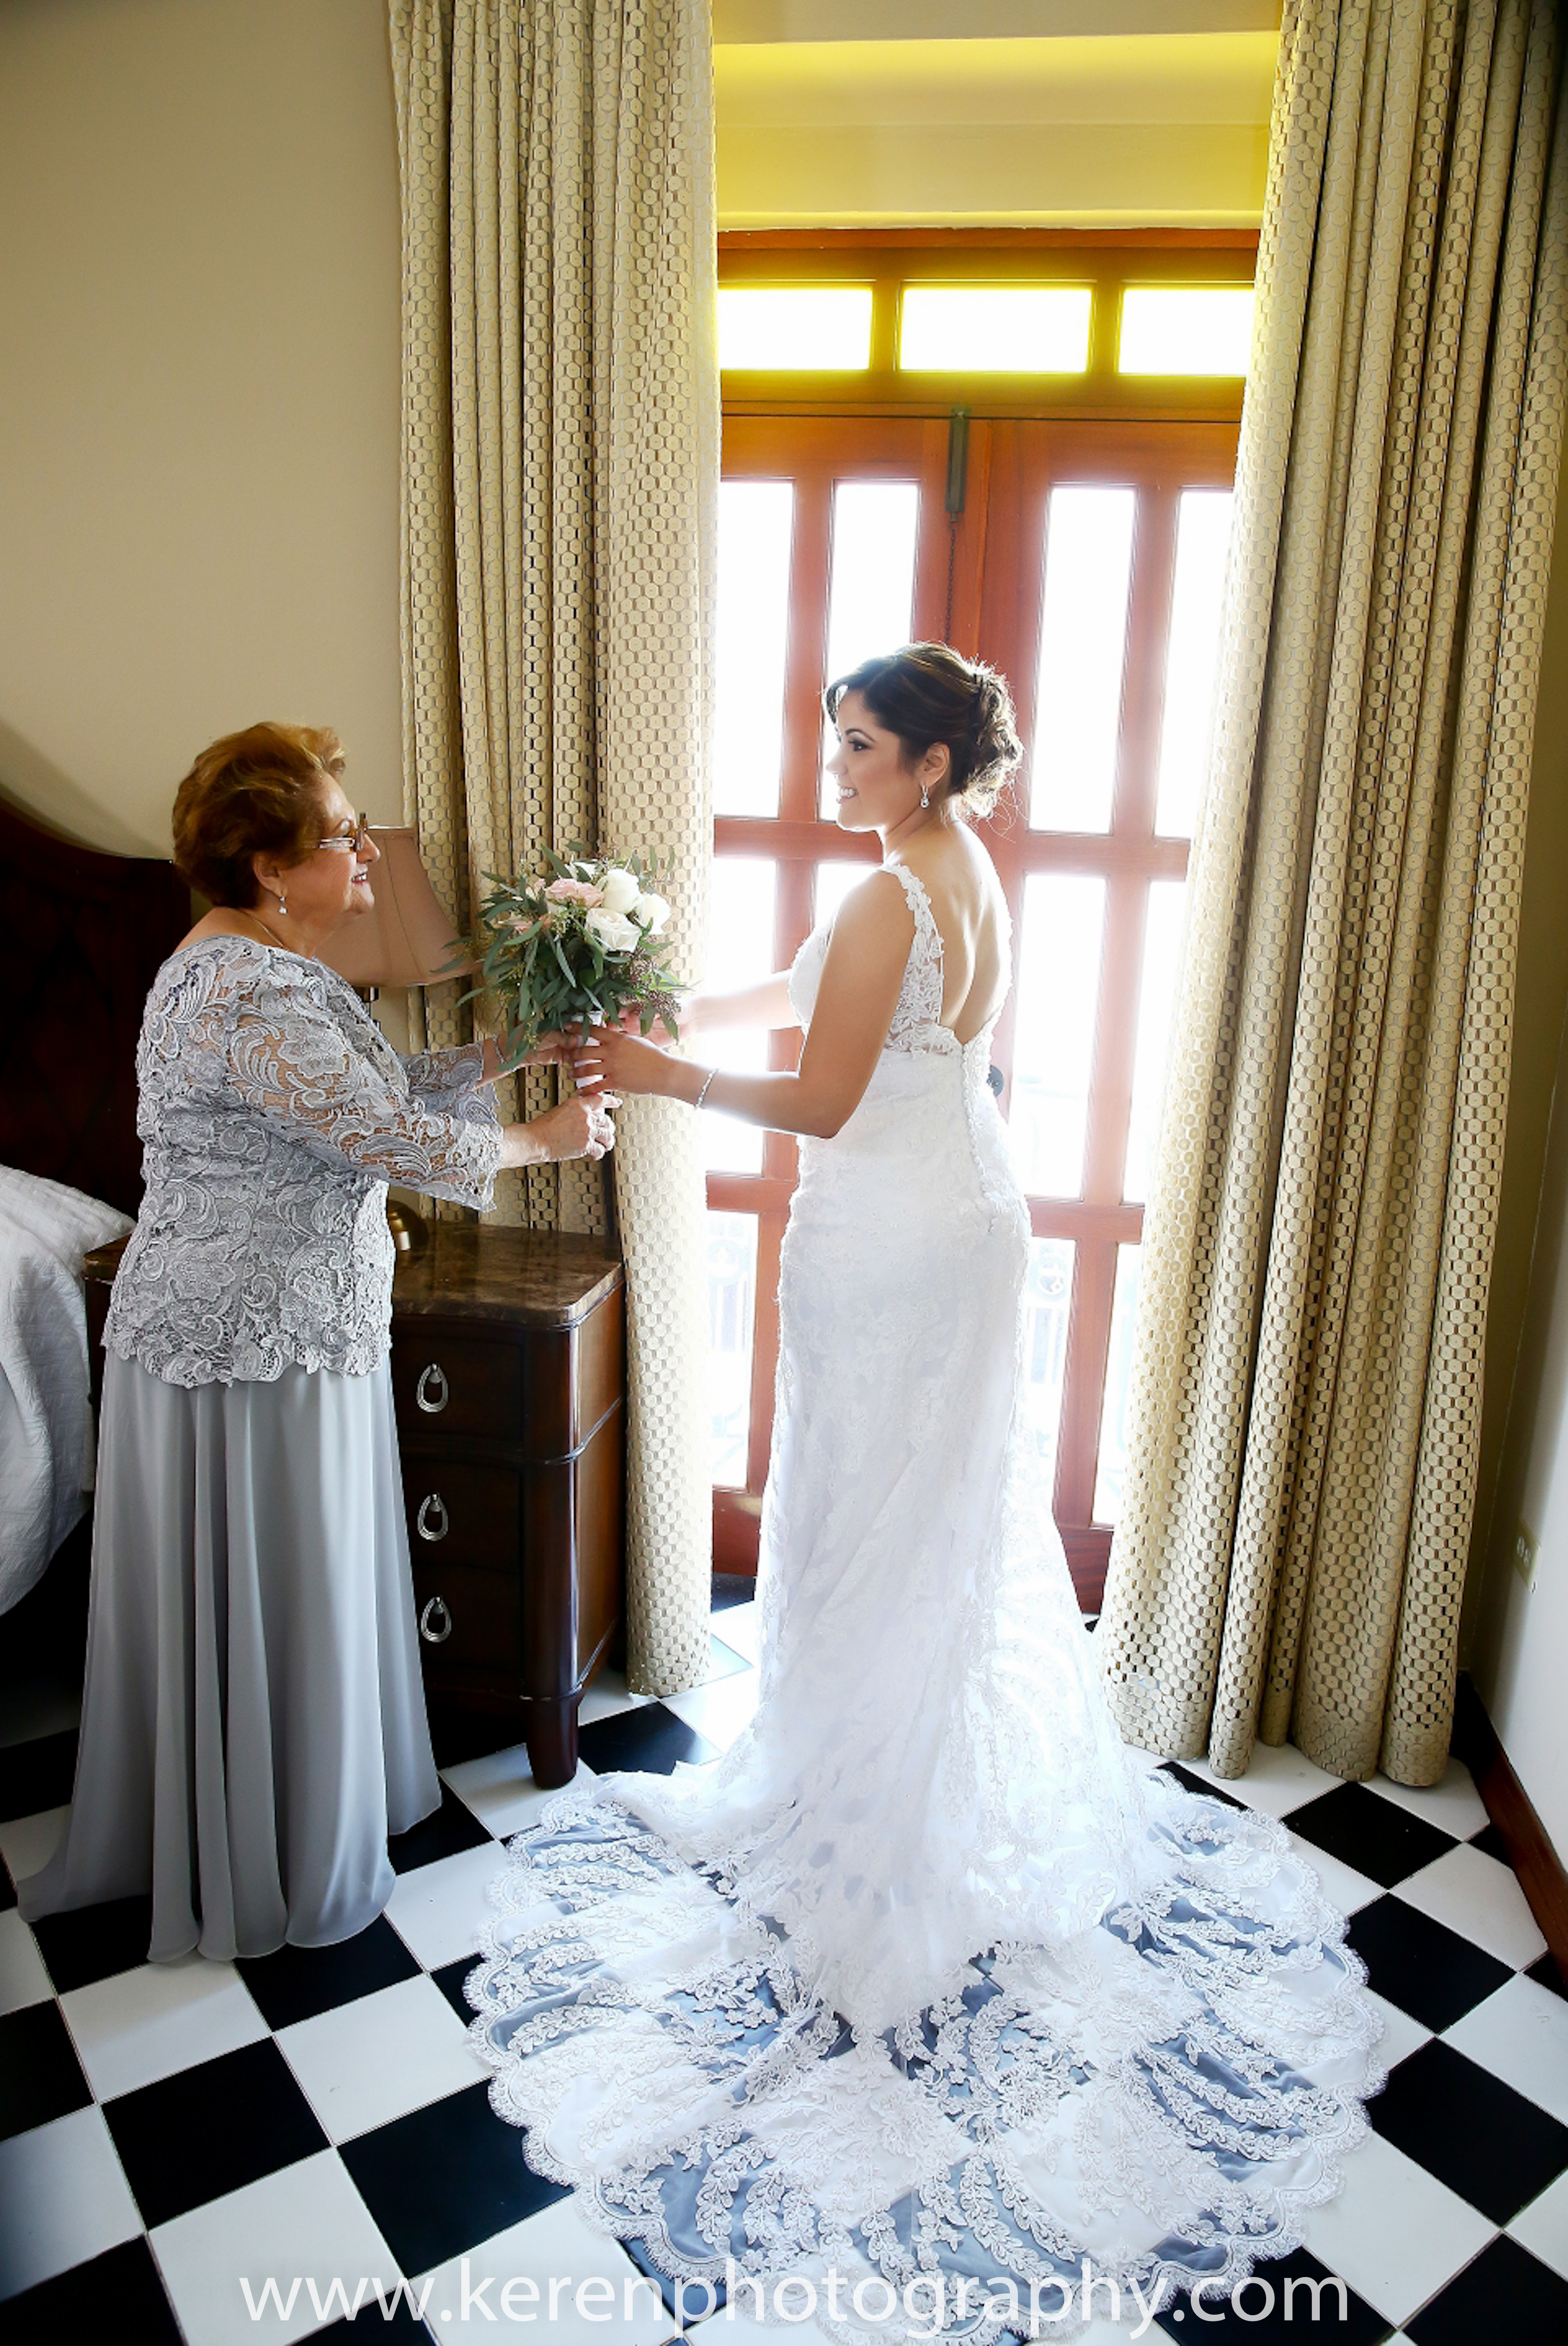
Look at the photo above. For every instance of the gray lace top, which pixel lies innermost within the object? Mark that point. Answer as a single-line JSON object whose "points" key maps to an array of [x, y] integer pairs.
{"points": [[274, 1112]]}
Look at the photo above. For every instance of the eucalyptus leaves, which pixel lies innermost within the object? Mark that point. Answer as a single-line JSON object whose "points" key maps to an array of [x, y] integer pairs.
{"points": [[577, 941]]}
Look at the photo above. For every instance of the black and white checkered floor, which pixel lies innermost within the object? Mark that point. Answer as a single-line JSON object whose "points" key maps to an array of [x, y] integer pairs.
{"points": [[166, 2130]]}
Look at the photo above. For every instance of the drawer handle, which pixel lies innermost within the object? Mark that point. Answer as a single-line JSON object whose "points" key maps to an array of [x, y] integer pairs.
{"points": [[432, 1523], [435, 1622], [432, 1392]]}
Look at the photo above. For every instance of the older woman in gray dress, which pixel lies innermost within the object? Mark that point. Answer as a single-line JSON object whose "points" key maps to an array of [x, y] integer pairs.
{"points": [[253, 1722]]}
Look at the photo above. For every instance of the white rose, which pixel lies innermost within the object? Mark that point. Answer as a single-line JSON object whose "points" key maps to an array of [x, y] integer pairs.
{"points": [[652, 912], [620, 890], [612, 930]]}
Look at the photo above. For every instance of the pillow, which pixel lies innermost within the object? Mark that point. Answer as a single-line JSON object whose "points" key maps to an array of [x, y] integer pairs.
{"points": [[66, 1221]]}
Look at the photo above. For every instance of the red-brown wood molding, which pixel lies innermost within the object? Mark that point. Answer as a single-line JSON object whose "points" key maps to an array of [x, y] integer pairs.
{"points": [[1542, 1876]]}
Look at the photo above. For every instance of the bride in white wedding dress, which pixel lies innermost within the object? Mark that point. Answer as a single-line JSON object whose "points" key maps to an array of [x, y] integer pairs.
{"points": [[928, 2000]]}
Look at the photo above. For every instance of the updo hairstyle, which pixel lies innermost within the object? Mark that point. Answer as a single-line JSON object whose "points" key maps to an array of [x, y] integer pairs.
{"points": [[258, 792], [927, 693]]}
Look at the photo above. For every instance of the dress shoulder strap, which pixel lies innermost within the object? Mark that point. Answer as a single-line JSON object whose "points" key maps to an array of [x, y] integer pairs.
{"points": [[919, 901], [920, 1001]]}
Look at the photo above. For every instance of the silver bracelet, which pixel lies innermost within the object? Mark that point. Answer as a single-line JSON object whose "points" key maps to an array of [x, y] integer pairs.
{"points": [[705, 1081]]}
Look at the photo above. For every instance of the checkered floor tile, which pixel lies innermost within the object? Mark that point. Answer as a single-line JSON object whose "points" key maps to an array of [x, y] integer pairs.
{"points": [[169, 2133]]}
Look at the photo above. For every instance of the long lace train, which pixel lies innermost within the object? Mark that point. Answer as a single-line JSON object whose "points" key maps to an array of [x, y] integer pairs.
{"points": [[1163, 2093]]}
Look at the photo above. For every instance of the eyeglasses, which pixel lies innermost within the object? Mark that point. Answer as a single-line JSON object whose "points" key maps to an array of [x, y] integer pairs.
{"points": [[350, 841]]}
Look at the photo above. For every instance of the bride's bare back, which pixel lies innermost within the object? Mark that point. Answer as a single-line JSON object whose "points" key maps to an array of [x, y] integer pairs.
{"points": [[971, 918]]}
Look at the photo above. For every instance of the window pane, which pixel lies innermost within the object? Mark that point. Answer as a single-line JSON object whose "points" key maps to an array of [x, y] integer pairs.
{"points": [[1157, 1000], [1110, 1472], [1047, 1302], [1185, 330], [1082, 641], [995, 329], [732, 1303], [1203, 539], [756, 519], [834, 880], [791, 327], [739, 921], [870, 600], [739, 952], [1058, 986]]}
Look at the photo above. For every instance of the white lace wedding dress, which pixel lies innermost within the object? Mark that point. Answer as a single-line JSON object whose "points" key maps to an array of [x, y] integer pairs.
{"points": [[927, 1976]]}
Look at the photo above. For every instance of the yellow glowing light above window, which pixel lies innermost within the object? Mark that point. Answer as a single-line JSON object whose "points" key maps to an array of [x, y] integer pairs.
{"points": [[1185, 330], [994, 329], [777, 328]]}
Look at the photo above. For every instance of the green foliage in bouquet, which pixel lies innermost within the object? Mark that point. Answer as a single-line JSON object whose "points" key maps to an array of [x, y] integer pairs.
{"points": [[578, 940]]}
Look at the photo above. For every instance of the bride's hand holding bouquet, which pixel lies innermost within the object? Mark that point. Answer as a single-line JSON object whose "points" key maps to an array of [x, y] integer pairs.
{"points": [[572, 948], [614, 1059]]}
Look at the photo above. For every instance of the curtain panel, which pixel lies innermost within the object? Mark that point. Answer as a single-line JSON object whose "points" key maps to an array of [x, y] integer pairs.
{"points": [[1306, 1376], [560, 470]]}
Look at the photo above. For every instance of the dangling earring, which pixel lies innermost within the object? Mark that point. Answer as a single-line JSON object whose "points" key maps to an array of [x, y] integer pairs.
{"points": [[924, 796], [283, 901]]}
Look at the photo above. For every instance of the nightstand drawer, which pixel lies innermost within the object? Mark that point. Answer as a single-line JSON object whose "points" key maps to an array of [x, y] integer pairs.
{"points": [[446, 1385], [470, 1623], [462, 1515]]}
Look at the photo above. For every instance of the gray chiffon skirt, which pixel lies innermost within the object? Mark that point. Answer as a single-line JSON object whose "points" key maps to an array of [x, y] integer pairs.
{"points": [[253, 1721]]}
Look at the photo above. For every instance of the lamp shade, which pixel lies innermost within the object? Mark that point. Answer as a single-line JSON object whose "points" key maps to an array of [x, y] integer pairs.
{"points": [[405, 938]]}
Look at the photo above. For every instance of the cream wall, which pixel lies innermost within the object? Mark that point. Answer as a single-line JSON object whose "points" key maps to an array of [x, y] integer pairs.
{"points": [[1515, 1639], [1520, 1642], [199, 394]]}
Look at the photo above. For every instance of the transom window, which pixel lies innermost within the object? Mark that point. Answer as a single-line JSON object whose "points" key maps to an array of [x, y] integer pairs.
{"points": [[1155, 324]]}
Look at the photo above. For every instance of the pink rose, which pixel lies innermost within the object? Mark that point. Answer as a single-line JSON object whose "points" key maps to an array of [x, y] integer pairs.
{"points": [[574, 892]]}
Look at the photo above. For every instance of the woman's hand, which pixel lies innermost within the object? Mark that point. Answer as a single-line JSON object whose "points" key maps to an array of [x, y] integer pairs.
{"points": [[577, 1128], [608, 1056]]}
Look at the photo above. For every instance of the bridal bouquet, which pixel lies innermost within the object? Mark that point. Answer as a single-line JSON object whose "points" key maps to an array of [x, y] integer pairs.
{"points": [[577, 939]]}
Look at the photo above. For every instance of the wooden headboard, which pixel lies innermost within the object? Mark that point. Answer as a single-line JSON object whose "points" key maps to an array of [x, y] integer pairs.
{"points": [[81, 938]]}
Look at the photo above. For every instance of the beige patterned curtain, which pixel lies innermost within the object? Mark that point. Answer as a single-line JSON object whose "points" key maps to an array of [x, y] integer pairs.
{"points": [[560, 469], [1307, 1362]]}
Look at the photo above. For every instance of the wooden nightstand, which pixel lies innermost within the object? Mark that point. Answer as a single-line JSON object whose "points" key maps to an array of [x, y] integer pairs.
{"points": [[508, 1358], [508, 1355]]}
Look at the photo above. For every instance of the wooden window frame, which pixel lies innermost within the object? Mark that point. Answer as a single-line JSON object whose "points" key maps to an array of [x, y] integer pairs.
{"points": [[982, 591], [1104, 260]]}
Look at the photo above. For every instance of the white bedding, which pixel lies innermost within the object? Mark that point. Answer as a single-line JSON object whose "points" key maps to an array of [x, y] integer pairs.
{"points": [[46, 1421]]}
